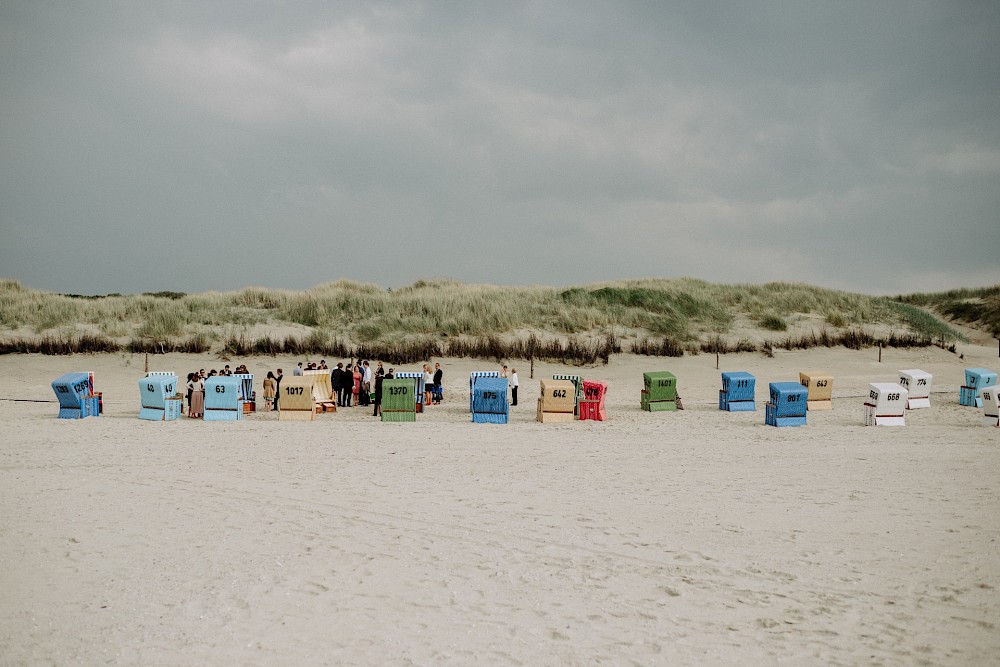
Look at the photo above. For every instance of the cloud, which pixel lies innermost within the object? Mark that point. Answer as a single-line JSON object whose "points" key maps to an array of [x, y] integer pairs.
{"points": [[601, 140]]}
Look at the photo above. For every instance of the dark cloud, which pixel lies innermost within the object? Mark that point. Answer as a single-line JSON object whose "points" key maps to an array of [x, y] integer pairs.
{"points": [[212, 145]]}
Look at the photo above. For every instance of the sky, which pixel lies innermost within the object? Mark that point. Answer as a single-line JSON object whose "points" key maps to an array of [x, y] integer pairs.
{"points": [[193, 146]]}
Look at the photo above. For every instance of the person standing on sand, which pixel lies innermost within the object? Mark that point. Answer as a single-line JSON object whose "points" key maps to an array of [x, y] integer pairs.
{"points": [[513, 386], [270, 389], [197, 399], [277, 388], [438, 378], [366, 384], [378, 394], [190, 389], [335, 381], [428, 385], [297, 370], [356, 384], [346, 380]]}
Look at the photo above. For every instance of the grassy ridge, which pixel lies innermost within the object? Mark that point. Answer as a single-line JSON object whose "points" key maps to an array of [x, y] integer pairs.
{"points": [[690, 314], [978, 307]]}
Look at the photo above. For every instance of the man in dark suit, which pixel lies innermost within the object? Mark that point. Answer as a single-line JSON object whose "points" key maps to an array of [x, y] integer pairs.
{"points": [[277, 391], [336, 378]]}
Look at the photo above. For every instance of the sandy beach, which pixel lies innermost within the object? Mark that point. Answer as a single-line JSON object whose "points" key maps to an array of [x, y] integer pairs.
{"points": [[699, 537]]}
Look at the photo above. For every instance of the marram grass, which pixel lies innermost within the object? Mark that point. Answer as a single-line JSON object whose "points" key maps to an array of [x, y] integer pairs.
{"points": [[654, 314]]}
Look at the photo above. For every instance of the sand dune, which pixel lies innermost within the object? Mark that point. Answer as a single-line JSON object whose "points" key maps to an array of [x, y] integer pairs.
{"points": [[697, 537]]}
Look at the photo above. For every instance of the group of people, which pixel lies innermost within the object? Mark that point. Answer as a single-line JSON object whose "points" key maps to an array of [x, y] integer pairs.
{"points": [[433, 393], [432, 384], [354, 384], [196, 387], [351, 383]]}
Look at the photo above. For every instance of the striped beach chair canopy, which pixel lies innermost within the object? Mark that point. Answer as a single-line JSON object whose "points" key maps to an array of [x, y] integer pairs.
{"points": [[246, 386], [322, 384], [418, 376], [577, 382]]}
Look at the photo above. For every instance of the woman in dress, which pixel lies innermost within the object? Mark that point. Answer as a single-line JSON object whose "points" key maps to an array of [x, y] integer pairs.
{"points": [[428, 385], [356, 388], [270, 389], [197, 399]]}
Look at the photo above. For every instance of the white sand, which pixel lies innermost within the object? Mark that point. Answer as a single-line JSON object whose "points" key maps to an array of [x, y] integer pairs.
{"points": [[699, 537]]}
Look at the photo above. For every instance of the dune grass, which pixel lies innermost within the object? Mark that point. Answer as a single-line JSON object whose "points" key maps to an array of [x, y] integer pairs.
{"points": [[346, 316], [980, 307]]}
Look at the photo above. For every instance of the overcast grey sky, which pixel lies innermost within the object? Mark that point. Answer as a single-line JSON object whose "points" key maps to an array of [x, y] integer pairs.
{"points": [[212, 145]]}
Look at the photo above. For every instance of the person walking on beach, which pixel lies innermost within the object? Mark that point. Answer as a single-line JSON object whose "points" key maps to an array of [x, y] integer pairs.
{"points": [[297, 370], [513, 386]]}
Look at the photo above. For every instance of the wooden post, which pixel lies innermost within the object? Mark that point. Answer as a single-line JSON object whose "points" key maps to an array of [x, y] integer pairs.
{"points": [[880, 353], [532, 376], [147, 362], [716, 361]]}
